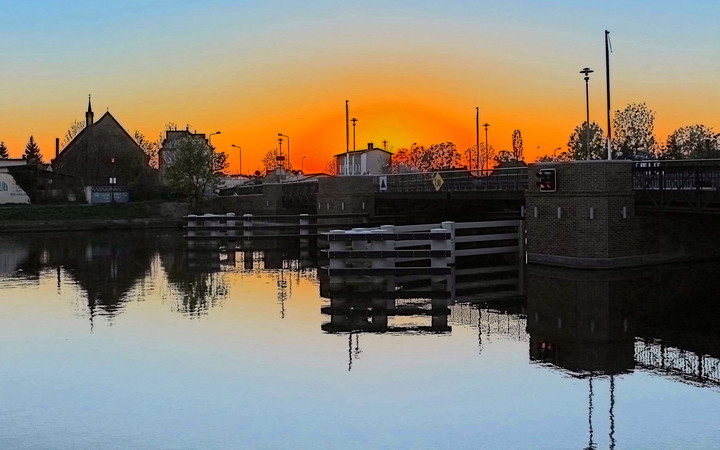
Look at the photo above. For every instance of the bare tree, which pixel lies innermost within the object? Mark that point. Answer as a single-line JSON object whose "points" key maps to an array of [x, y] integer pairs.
{"points": [[75, 128], [3, 151], [270, 161], [150, 148], [331, 167]]}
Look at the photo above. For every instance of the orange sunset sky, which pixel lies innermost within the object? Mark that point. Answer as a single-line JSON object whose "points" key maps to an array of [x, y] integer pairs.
{"points": [[413, 71]]}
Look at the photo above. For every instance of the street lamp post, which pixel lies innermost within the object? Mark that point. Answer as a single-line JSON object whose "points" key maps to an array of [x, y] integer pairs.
{"points": [[555, 151], [212, 150], [354, 121], [587, 71], [239, 158], [288, 146], [477, 139], [486, 125], [302, 164]]}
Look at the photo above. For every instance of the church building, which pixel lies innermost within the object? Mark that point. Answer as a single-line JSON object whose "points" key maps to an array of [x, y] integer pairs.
{"points": [[103, 154]]}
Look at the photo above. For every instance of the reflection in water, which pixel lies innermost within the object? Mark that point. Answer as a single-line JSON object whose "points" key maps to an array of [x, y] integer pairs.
{"points": [[597, 329]]}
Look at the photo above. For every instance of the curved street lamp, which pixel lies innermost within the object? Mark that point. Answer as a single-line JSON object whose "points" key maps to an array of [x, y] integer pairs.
{"points": [[239, 158]]}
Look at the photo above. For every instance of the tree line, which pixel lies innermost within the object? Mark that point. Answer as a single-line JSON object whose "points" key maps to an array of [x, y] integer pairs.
{"points": [[634, 138]]}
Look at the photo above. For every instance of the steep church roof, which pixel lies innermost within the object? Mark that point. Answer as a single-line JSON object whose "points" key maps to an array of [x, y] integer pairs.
{"points": [[103, 149]]}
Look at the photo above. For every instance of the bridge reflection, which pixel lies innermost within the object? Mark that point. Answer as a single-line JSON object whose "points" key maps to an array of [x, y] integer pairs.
{"points": [[609, 323]]}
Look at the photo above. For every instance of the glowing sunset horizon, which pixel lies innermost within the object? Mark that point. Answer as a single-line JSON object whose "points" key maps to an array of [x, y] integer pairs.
{"points": [[413, 73]]}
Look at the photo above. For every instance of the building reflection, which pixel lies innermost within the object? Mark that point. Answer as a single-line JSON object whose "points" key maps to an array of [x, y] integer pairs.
{"points": [[600, 325], [661, 319], [105, 265]]}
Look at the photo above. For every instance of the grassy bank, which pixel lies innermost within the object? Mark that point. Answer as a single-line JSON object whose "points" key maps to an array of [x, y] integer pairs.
{"points": [[79, 212]]}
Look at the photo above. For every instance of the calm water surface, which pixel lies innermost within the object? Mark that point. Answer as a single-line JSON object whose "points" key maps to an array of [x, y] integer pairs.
{"points": [[127, 340]]}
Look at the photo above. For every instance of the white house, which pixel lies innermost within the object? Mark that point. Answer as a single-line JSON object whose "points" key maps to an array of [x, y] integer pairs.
{"points": [[10, 192], [369, 161]]}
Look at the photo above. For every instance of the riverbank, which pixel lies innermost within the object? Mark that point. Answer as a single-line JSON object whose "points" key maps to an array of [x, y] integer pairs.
{"points": [[74, 217]]}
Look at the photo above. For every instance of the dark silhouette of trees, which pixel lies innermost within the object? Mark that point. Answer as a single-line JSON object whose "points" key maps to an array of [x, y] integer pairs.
{"points": [[693, 141], [220, 162], [331, 167], [504, 156], [191, 172], [3, 151], [470, 156], [150, 148], [634, 132], [32, 152], [517, 144], [75, 128], [270, 161], [586, 143], [422, 159]]}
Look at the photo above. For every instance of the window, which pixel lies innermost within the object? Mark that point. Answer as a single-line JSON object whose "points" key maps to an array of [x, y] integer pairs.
{"points": [[3, 186]]}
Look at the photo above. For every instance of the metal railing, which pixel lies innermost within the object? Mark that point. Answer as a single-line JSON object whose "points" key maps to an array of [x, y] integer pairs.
{"points": [[678, 184], [505, 179]]}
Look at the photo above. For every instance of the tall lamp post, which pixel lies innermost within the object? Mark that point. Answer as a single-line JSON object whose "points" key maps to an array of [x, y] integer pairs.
{"points": [[486, 125], [608, 49], [288, 146], [354, 121], [477, 139], [587, 71], [212, 150], [302, 164], [347, 137], [210, 137], [239, 158]]}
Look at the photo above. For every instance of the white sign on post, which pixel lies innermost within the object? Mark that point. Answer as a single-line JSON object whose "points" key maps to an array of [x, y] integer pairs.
{"points": [[383, 183]]}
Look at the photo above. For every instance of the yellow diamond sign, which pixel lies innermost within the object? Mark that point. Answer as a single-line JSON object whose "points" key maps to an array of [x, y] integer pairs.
{"points": [[437, 181]]}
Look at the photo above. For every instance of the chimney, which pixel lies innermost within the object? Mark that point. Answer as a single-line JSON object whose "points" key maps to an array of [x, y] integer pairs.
{"points": [[370, 145], [57, 147]]}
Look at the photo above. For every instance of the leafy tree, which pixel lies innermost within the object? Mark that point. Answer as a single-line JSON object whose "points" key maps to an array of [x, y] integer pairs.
{"points": [[504, 156], [191, 171], [271, 163], [75, 128], [150, 148], [586, 143], [634, 131], [3, 151], [517, 144], [693, 141], [32, 152]]}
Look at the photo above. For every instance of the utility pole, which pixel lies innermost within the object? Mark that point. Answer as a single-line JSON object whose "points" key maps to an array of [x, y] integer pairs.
{"points": [[608, 48], [347, 138], [477, 139], [587, 71]]}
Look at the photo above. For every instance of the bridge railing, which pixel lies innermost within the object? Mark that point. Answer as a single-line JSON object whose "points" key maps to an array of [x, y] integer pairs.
{"points": [[502, 179], [682, 185], [677, 175]]}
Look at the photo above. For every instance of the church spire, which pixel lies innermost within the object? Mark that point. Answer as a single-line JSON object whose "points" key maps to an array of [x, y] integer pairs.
{"points": [[89, 114]]}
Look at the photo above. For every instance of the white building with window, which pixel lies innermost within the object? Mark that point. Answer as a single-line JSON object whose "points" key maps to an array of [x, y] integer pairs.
{"points": [[10, 192], [369, 161]]}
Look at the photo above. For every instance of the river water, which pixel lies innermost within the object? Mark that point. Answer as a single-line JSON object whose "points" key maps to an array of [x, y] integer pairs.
{"points": [[127, 340]]}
